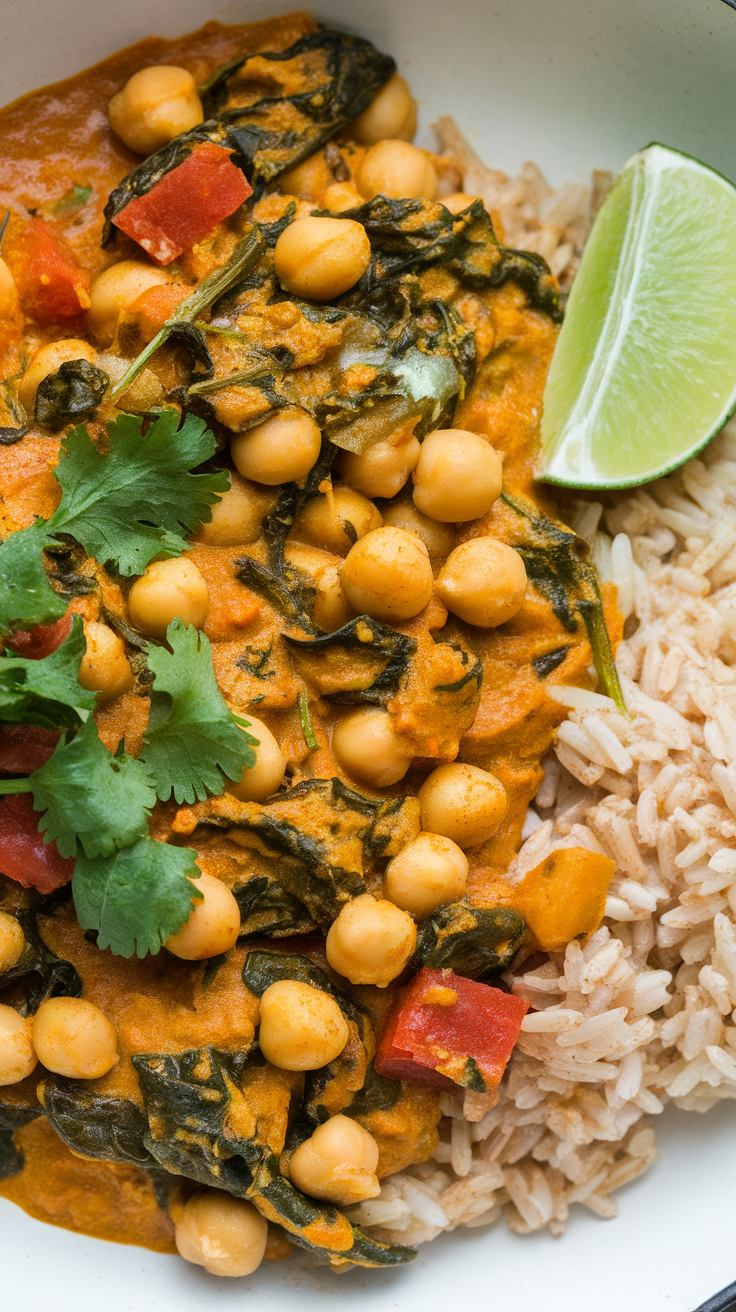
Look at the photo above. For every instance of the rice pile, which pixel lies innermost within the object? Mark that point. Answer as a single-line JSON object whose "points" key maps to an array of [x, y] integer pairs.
{"points": [[643, 1013]]}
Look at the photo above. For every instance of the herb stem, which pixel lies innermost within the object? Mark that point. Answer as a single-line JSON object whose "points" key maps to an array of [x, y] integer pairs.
{"points": [[310, 737], [16, 785], [245, 257]]}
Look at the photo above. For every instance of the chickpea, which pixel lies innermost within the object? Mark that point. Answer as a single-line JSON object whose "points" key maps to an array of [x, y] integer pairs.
{"points": [[383, 469], [438, 538], [225, 1235], [462, 802], [169, 588], [458, 201], [330, 608], [398, 170], [324, 518], [319, 259], [73, 1037], [338, 1162], [17, 1058], [264, 778], [9, 292], [237, 518], [12, 942], [371, 941], [46, 361], [458, 476], [281, 449], [213, 925], [115, 290], [309, 179], [340, 196], [392, 113], [483, 582], [105, 668], [387, 574], [156, 104], [365, 745], [428, 872], [302, 1028]]}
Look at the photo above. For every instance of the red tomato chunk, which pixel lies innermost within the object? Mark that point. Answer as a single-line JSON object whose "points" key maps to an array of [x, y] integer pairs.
{"points": [[186, 204], [51, 285], [34, 644], [439, 1021], [24, 856], [25, 747]]}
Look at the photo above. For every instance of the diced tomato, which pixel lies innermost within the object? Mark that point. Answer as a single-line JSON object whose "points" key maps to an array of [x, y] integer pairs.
{"points": [[186, 203], [25, 747], [439, 1021], [153, 307], [24, 856], [34, 644], [51, 285]]}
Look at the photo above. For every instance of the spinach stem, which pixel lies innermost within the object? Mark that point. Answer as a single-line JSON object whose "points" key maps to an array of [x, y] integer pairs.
{"points": [[310, 737], [245, 257]]}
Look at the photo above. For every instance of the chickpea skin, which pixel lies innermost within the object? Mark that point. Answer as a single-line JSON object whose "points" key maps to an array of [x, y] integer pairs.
{"points": [[438, 538], [115, 290], [282, 449], [330, 608], [9, 302], [398, 170], [483, 582], [237, 518], [458, 476], [47, 361], [168, 589], [428, 872], [264, 778], [327, 520], [72, 1037], [371, 941], [156, 104], [391, 114], [458, 201], [17, 1058], [320, 258], [387, 575], [105, 668], [365, 745], [309, 179], [12, 942], [337, 1163], [213, 925], [462, 802], [225, 1235], [302, 1028], [383, 469]]}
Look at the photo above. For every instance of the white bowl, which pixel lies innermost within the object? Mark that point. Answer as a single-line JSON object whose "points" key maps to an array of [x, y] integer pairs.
{"points": [[572, 84]]}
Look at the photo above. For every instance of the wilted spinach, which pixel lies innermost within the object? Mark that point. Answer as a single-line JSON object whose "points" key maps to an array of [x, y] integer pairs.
{"points": [[472, 941], [96, 1125], [71, 394], [377, 647], [13, 1116], [39, 971]]}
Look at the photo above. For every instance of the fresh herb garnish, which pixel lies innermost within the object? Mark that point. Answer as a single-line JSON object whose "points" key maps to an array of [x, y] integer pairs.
{"points": [[192, 739], [136, 898], [47, 691], [72, 200], [136, 500]]}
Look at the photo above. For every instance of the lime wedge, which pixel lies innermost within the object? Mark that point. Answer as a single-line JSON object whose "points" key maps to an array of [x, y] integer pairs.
{"points": [[644, 372]]}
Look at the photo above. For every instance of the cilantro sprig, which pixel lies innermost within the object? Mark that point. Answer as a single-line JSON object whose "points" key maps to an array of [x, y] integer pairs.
{"points": [[137, 898], [135, 499], [192, 739], [46, 692]]}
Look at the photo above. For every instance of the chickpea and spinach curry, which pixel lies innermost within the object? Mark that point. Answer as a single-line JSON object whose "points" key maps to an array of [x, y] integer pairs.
{"points": [[280, 608]]}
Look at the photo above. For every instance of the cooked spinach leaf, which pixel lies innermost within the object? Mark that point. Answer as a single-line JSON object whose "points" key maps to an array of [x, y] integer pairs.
{"points": [[472, 941], [338, 76], [95, 1125], [71, 394], [381, 650], [13, 1116], [549, 661], [268, 911], [39, 971]]}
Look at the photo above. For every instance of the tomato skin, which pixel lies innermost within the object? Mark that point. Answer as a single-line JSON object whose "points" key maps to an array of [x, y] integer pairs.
{"points": [[34, 644], [186, 203], [51, 285], [24, 856], [25, 747], [428, 1043]]}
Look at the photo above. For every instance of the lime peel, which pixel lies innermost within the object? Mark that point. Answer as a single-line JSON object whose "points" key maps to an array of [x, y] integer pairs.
{"points": [[644, 373]]}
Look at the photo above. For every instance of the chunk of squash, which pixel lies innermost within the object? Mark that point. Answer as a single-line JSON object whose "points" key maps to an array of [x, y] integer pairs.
{"points": [[564, 897]]}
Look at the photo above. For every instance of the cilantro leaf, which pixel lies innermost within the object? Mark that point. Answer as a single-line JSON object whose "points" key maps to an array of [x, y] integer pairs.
{"points": [[87, 794], [26, 596], [192, 739], [137, 499], [137, 898], [46, 691]]}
